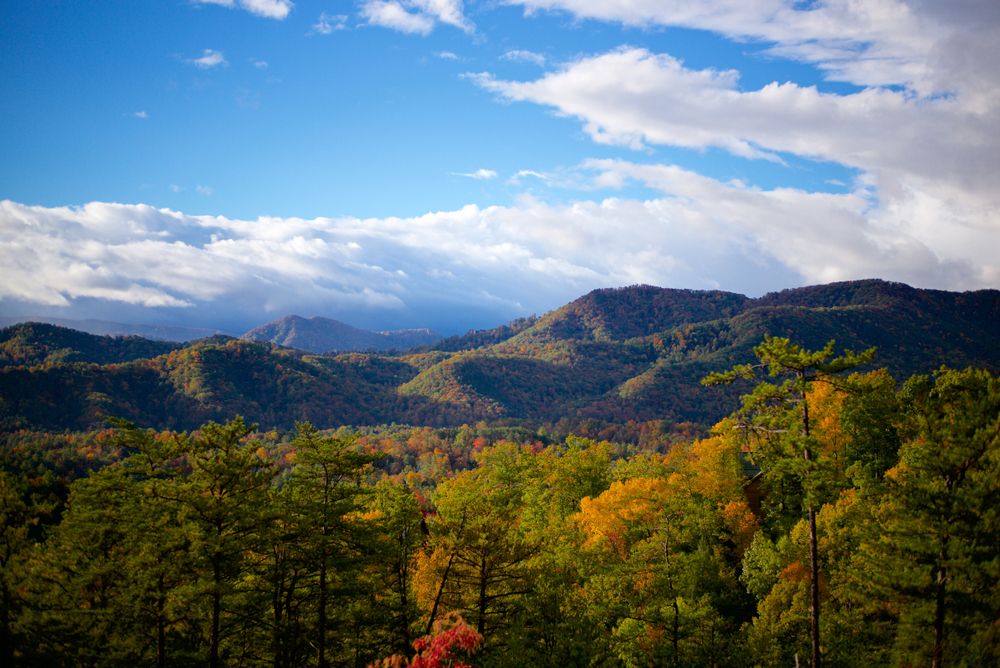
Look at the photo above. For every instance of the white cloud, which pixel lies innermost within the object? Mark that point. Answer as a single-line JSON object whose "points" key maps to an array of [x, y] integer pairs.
{"points": [[907, 148], [260, 65], [204, 190], [447, 55], [421, 20], [210, 59], [272, 9], [479, 174], [866, 42], [328, 23], [700, 233], [392, 15], [275, 9], [140, 114], [524, 57], [176, 188]]}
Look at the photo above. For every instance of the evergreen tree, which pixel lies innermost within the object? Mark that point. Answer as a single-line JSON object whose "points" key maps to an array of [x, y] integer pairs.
{"points": [[326, 487], [776, 421], [940, 545]]}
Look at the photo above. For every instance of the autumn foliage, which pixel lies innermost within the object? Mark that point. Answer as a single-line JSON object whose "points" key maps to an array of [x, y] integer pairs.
{"points": [[452, 638]]}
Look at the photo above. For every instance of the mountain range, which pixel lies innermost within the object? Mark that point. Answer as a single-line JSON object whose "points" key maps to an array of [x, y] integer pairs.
{"points": [[320, 335], [615, 356], [315, 334]]}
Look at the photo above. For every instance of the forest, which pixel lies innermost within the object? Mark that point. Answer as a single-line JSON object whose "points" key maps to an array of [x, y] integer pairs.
{"points": [[836, 516]]}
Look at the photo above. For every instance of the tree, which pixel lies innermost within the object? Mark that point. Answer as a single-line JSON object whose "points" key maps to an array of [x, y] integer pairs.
{"points": [[223, 505], [326, 481], [775, 419], [478, 560], [20, 512], [450, 637], [400, 531], [940, 536], [872, 416]]}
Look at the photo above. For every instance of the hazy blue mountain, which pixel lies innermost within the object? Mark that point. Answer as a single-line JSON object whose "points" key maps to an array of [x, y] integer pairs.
{"points": [[320, 335]]}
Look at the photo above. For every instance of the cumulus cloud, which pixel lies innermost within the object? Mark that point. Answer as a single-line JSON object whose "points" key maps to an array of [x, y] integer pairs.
{"points": [[932, 158], [328, 23], [210, 59], [141, 114], [203, 190], [392, 15], [272, 9], [416, 16], [524, 57], [261, 64]]}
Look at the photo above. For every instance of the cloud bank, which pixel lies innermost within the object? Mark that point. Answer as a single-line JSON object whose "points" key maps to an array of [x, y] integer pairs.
{"points": [[488, 265]]}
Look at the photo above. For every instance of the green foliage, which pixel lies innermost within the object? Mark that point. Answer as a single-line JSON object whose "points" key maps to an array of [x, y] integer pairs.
{"points": [[872, 416], [942, 526], [319, 547]]}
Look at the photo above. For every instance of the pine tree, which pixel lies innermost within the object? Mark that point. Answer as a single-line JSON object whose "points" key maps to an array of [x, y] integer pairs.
{"points": [[775, 419], [941, 530]]}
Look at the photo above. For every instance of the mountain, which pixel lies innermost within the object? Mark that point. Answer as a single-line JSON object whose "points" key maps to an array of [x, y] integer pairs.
{"points": [[612, 357], [320, 335], [41, 344], [638, 353], [106, 328]]}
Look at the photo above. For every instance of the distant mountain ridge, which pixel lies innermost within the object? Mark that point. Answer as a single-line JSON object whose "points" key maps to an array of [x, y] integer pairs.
{"points": [[621, 356], [319, 335], [108, 328]]}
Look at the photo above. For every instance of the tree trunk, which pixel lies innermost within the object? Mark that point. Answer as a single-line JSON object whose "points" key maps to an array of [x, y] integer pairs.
{"points": [[444, 578], [939, 611], [814, 586], [213, 651], [677, 624], [277, 605], [482, 596], [321, 623], [813, 544], [161, 639]]}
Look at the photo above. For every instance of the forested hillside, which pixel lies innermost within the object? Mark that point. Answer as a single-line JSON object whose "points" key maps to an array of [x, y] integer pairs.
{"points": [[867, 536], [38, 344], [630, 355]]}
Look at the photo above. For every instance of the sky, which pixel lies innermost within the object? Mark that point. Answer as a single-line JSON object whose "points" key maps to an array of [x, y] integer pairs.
{"points": [[432, 163]]}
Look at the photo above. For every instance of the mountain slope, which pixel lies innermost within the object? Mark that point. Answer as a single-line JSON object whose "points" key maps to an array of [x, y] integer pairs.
{"points": [[653, 346], [629, 355], [320, 335], [33, 343]]}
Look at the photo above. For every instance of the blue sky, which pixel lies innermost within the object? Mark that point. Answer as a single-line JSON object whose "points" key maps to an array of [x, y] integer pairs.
{"points": [[429, 163]]}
